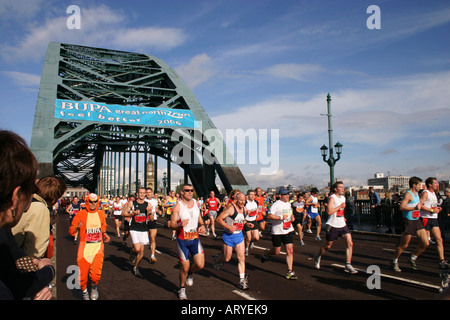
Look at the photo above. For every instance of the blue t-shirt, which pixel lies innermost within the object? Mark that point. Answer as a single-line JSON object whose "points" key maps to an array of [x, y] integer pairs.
{"points": [[413, 214]]}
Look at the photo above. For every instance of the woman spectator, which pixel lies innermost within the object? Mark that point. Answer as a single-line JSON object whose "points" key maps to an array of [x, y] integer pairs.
{"points": [[18, 169]]}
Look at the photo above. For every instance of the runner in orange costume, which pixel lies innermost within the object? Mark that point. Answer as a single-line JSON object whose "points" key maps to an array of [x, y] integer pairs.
{"points": [[91, 225]]}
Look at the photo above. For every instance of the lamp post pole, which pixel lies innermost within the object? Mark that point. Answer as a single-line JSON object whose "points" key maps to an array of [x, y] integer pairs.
{"points": [[165, 183], [331, 161]]}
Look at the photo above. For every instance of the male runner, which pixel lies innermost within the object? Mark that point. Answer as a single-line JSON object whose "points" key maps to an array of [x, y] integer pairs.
{"points": [[261, 209], [91, 225], [151, 222], [138, 211], [282, 232], [171, 200], [72, 209], [233, 220], [104, 205], [298, 207], [117, 207], [410, 206], [313, 213], [251, 229], [185, 220], [213, 206], [336, 227], [429, 212]]}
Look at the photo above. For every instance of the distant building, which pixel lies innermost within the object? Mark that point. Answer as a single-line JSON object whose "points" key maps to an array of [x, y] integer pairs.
{"points": [[73, 191], [390, 182]]}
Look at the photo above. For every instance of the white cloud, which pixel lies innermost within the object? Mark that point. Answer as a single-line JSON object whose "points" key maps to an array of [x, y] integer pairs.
{"points": [[23, 9], [199, 69], [22, 79], [101, 26], [149, 37], [293, 71], [389, 110]]}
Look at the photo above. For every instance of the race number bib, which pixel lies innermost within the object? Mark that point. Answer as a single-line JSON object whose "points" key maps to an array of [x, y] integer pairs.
{"points": [[140, 218], [252, 213], [93, 235], [189, 234], [287, 223], [239, 224]]}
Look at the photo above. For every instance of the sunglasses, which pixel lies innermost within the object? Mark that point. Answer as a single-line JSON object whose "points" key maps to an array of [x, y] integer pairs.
{"points": [[188, 190]]}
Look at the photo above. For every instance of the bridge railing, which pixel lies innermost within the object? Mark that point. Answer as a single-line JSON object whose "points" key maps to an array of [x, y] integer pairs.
{"points": [[386, 219]]}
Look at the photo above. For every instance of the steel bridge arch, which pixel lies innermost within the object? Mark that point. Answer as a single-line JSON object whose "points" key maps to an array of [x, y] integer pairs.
{"points": [[74, 149]]}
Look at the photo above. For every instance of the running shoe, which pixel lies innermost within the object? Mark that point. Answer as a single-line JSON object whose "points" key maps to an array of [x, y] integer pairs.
{"points": [[350, 269], [243, 283], [316, 262], [291, 275], [318, 238], [137, 273], [189, 280], [94, 292], [246, 252], [302, 243], [264, 257], [182, 294], [132, 258], [413, 263], [86, 294], [217, 264], [443, 265], [153, 259], [395, 266]]}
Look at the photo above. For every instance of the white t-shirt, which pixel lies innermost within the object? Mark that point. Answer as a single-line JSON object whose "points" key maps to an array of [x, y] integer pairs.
{"points": [[154, 204], [431, 202], [280, 208], [117, 207], [252, 210], [336, 220]]}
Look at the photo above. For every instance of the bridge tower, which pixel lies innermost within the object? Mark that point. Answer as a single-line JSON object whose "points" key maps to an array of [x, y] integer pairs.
{"points": [[99, 111]]}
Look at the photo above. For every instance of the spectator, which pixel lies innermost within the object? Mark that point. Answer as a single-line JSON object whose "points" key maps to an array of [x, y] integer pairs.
{"points": [[375, 205], [349, 209], [33, 232], [18, 169]]}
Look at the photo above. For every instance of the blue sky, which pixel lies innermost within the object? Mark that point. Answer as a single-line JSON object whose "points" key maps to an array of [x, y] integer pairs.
{"points": [[269, 65]]}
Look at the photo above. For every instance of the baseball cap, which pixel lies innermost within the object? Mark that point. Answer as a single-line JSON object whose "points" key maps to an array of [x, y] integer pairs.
{"points": [[284, 191]]}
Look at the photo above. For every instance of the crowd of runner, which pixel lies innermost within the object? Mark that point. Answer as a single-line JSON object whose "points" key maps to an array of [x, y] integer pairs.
{"points": [[27, 270], [242, 217]]}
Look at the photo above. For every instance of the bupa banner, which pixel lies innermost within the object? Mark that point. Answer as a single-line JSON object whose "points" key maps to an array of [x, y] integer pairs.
{"points": [[118, 114]]}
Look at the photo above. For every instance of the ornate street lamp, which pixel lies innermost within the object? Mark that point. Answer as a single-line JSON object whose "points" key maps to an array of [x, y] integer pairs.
{"points": [[331, 161]]}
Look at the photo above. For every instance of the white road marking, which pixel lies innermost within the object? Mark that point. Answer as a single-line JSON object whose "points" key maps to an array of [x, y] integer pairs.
{"points": [[423, 284], [393, 250], [262, 248], [244, 295]]}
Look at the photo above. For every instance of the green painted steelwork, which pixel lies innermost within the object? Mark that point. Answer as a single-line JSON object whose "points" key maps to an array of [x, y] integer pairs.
{"points": [[75, 150]]}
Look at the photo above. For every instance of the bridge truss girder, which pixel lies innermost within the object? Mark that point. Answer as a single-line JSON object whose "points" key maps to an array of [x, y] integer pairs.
{"points": [[75, 150]]}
